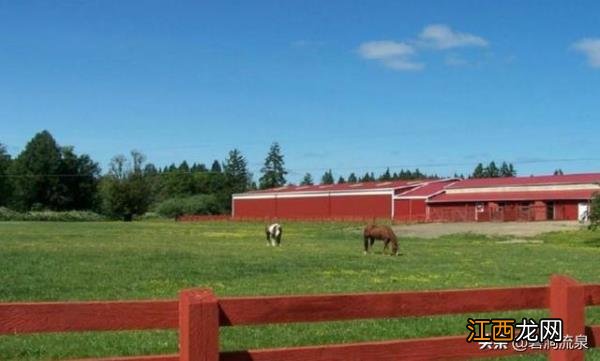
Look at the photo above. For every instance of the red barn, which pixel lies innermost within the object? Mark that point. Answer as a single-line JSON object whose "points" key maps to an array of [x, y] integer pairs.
{"points": [[560, 197], [364, 200], [411, 205]]}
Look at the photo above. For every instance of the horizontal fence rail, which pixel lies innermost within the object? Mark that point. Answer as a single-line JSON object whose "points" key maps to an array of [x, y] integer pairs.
{"points": [[87, 316], [198, 314], [317, 308]]}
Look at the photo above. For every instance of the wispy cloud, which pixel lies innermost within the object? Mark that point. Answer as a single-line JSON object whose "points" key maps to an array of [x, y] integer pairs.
{"points": [[590, 47], [306, 44], [392, 54], [384, 49], [400, 55], [441, 36]]}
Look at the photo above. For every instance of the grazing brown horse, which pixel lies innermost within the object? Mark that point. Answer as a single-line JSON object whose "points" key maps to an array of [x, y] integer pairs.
{"points": [[384, 233]]}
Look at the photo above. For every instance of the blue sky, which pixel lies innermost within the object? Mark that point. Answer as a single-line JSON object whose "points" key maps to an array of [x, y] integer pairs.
{"points": [[344, 85]]}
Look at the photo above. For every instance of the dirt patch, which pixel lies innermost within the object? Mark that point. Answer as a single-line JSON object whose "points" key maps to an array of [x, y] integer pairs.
{"points": [[518, 229]]}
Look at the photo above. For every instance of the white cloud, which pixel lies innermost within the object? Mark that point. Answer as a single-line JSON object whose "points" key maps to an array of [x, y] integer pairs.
{"points": [[441, 36], [392, 54], [399, 55], [402, 64], [591, 48], [384, 49]]}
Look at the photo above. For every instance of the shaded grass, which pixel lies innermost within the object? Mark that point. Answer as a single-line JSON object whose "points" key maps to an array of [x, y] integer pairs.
{"points": [[144, 260]]}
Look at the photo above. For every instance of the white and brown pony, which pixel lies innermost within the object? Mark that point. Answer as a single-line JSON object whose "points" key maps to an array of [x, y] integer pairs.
{"points": [[273, 233]]}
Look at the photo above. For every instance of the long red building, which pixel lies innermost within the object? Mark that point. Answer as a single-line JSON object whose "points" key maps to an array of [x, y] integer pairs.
{"points": [[561, 197], [340, 201]]}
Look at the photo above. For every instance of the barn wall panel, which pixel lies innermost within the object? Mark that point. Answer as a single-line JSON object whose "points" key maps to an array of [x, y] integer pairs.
{"points": [[418, 209], [255, 208], [303, 208], [452, 212], [401, 210], [410, 210], [566, 210], [378, 206]]}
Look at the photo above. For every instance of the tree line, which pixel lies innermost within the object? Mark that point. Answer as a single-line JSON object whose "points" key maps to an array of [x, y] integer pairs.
{"points": [[48, 176]]}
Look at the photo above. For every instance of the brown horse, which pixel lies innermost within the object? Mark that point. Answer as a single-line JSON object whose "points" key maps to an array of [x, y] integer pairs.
{"points": [[384, 233]]}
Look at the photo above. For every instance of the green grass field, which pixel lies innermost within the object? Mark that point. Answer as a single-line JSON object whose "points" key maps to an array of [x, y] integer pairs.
{"points": [[154, 260]]}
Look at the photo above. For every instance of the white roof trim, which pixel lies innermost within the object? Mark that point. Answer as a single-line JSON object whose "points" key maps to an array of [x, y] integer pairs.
{"points": [[378, 192]]}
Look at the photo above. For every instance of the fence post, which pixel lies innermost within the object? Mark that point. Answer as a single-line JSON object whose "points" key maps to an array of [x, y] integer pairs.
{"points": [[567, 303], [198, 325]]}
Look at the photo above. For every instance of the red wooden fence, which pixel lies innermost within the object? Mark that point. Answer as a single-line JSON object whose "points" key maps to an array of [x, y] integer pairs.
{"points": [[198, 314]]}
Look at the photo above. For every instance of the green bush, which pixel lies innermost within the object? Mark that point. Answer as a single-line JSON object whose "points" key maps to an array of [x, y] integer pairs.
{"points": [[50, 216], [7, 214], [198, 204], [148, 216]]}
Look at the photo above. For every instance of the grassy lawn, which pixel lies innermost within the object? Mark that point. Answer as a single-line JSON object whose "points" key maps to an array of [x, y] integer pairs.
{"points": [[154, 260]]}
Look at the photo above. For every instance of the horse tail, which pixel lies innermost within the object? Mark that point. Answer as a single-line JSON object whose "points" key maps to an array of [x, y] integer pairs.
{"points": [[394, 241]]}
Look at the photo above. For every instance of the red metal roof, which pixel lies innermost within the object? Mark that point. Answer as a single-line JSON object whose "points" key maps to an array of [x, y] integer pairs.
{"points": [[585, 194], [343, 187], [524, 181], [427, 190]]}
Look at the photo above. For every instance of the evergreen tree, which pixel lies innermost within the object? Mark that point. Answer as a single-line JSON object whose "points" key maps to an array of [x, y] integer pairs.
{"points": [[511, 170], [327, 178], [273, 171], [368, 177], [216, 167], [150, 170], [184, 167], [341, 180], [504, 171], [236, 172], [386, 176], [492, 170], [199, 167], [558, 172], [307, 180], [479, 171], [352, 178], [5, 179]]}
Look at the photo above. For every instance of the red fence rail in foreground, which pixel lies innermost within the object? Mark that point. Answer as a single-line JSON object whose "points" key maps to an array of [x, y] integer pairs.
{"points": [[198, 314]]}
